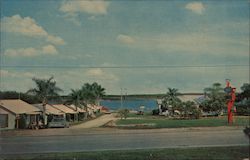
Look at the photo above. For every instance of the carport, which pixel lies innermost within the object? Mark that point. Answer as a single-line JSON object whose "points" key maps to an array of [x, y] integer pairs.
{"points": [[71, 115], [50, 111]]}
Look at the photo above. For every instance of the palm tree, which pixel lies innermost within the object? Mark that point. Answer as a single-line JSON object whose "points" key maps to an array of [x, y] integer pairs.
{"points": [[92, 93], [171, 99], [98, 92], [45, 88], [87, 94], [75, 98], [80, 97]]}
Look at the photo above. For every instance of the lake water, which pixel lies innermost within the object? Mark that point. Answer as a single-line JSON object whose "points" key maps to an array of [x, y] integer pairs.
{"points": [[149, 104]]}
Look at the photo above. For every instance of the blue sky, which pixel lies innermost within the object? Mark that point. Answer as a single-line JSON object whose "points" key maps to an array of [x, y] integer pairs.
{"points": [[125, 33]]}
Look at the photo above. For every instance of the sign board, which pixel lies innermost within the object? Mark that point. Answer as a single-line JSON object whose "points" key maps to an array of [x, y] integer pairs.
{"points": [[228, 89]]}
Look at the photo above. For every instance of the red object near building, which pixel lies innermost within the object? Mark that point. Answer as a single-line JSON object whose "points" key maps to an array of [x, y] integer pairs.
{"points": [[230, 104]]}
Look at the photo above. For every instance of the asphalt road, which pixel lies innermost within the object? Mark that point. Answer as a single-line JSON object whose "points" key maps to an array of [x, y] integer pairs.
{"points": [[113, 139]]}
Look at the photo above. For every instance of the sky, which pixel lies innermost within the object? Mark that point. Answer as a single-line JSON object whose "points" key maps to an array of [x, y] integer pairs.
{"points": [[133, 47]]}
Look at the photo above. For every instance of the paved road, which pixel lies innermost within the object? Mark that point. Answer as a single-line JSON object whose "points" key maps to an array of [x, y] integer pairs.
{"points": [[114, 139]]}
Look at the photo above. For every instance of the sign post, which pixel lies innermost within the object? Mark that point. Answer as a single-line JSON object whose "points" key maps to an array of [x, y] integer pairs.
{"points": [[231, 94]]}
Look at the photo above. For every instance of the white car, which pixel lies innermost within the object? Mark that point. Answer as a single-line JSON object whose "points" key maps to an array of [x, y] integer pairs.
{"points": [[58, 122]]}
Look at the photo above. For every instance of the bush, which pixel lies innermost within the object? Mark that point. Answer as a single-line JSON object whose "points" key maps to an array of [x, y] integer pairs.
{"points": [[243, 108], [123, 113], [155, 112], [197, 113], [190, 110]]}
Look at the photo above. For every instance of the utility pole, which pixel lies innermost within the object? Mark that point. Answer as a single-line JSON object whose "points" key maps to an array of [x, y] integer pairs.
{"points": [[124, 97], [121, 99], [123, 89]]}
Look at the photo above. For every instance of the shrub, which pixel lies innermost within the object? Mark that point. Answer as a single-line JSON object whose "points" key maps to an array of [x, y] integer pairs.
{"points": [[123, 113], [243, 107], [155, 112], [197, 113]]}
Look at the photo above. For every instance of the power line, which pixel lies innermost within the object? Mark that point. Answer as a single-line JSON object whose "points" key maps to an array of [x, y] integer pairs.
{"points": [[125, 66]]}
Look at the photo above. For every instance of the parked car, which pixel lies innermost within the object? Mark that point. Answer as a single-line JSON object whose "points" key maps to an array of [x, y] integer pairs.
{"points": [[58, 122], [140, 113], [210, 114]]}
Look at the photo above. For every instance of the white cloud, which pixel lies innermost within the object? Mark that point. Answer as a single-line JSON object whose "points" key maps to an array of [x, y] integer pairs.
{"points": [[100, 74], [72, 9], [136, 81], [55, 40], [70, 78], [125, 39], [28, 27], [49, 49], [9, 79], [4, 72], [73, 18], [95, 72], [29, 75], [14, 74], [205, 43], [194, 43], [31, 52], [196, 7], [91, 7], [92, 18], [27, 52]]}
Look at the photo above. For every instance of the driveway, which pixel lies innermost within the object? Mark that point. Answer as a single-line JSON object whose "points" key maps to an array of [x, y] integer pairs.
{"points": [[96, 122]]}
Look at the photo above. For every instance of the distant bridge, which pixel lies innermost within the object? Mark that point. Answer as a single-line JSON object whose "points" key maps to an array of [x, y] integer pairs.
{"points": [[133, 97], [147, 96], [187, 96]]}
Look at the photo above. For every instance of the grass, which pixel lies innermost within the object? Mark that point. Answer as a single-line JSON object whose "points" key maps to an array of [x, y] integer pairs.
{"points": [[208, 153], [170, 123], [145, 115]]}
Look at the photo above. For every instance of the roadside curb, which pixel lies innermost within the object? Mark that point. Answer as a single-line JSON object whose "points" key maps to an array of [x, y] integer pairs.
{"points": [[107, 130]]}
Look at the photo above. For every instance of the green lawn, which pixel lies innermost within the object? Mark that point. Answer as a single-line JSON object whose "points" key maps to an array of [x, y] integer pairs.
{"points": [[171, 123], [212, 153]]}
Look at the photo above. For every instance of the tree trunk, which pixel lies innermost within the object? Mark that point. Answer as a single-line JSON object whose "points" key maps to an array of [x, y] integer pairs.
{"points": [[98, 101], [86, 113], [77, 114], [44, 112]]}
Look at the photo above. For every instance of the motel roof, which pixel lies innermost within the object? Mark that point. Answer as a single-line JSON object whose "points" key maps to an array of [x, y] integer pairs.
{"points": [[18, 106], [64, 108], [49, 109], [80, 110]]}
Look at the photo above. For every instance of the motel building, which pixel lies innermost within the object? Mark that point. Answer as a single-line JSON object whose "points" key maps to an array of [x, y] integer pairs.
{"points": [[17, 114]]}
